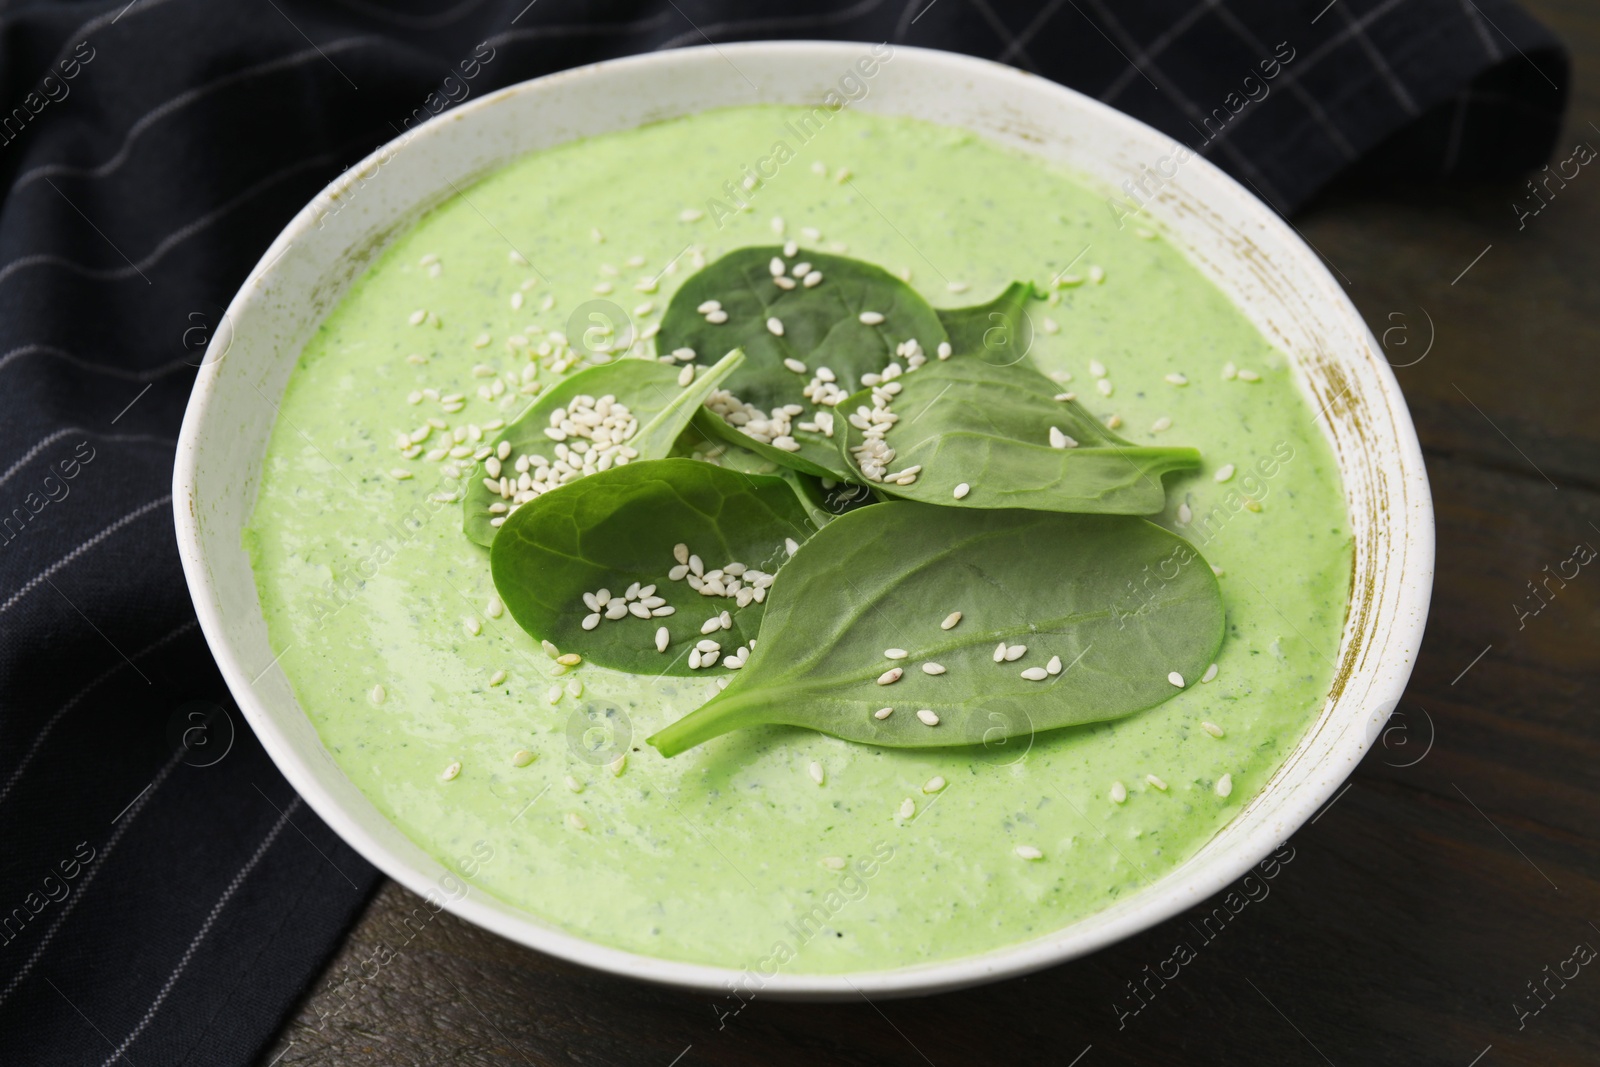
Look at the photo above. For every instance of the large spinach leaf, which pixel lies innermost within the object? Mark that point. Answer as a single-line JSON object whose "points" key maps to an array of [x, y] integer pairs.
{"points": [[1114, 613], [616, 531], [1001, 432], [659, 405], [822, 331]]}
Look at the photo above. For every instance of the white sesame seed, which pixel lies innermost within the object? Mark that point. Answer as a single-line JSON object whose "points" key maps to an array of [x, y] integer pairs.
{"points": [[691, 214], [890, 676], [717, 318], [944, 350], [812, 279], [1157, 782], [451, 772], [1119, 792], [1224, 785], [816, 772], [377, 694], [1211, 728], [1061, 440], [1248, 375], [775, 328], [777, 267], [933, 785], [1211, 672], [662, 637], [569, 659], [957, 287], [962, 490], [1097, 274], [522, 757], [694, 659], [575, 821], [1185, 514], [790, 362], [833, 863], [686, 375], [895, 653], [1177, 379], [928, 718], [883, 713], [1105, 387], [618, 765], [870, 318], [553, 694], [1028, 852], [1000, 652], [908, 808], [708, 645], [1176, 679], [790, 545], [472, 625], [950, 621], [790, 249], [517, 257], [1054, 666], [399, 474], [1161, 425], [1036, 674], [933, 668], [1015, 652], [1065, 397], [1224, 472], [497, 677]]}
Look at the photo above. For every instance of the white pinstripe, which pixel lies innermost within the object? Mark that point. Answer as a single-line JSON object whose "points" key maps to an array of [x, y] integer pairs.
{"points": [[205, 928], [99, 22], [159, 371], [1490, 45], [1031, 30], [178, 103], [1376, 58], [44, 575], [44, 731], [173, 239], [73, 431], [126, 820], [1003, 32]]}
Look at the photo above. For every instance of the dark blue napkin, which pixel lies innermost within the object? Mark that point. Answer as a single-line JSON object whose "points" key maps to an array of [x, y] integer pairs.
{"points": [[164, 896]]}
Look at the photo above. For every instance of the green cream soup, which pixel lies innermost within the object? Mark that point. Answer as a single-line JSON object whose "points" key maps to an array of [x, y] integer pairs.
{"points": [[775, 847]]}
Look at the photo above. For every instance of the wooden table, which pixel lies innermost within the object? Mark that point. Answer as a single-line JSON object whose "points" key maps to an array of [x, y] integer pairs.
{"points": [[1461, 863]]}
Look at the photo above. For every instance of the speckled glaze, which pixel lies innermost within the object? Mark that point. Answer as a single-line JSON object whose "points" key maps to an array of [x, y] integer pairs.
{"points": [[1273, 278]]}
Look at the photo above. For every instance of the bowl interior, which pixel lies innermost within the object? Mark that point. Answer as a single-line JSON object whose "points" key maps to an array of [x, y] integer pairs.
{"points": [[1235, 240]]}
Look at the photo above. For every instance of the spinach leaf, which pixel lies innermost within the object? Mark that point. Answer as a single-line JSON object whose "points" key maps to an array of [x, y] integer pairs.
{"points": [[617, 531], [822, 331], [657, 404], [1105, 607], [966, 421], [999, 331]]}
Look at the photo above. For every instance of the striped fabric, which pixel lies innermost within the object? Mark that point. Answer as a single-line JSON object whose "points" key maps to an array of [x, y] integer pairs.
{"points": [[164, 896]]}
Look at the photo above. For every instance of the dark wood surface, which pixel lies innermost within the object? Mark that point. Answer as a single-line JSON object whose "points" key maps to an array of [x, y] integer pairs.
{"points": [[1462, 861]]}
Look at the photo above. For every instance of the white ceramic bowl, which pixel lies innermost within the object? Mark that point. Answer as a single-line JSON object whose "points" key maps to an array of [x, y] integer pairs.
{"points": [[1230, 235]]}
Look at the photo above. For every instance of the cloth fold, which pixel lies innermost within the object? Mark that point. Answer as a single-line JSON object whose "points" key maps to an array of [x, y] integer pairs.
{"points": [[164, 895]]}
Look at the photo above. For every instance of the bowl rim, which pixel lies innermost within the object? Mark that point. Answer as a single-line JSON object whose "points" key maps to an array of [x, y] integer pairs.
{"points": [[1172, 892]]}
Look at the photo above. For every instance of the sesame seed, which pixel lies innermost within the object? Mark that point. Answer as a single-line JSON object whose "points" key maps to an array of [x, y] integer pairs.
{"points": [[575, 688], [1176, 679], [377, 694], [928, 718], [1035, 674], [950, 621], [570, 659], [497, 677], [933, 785], [1061, 440], [553, 694], [573, 784], [1097, 274], [1224, 472], [1229, 371], [694, 659], [870, 318], [790, 249], [472, 626], [708, 645], [686, 375], [662, 637], [816, 772], [1185, 513], [890, 676], [1054, 666], [962, 490], [933, 668], [591, 620], [957, 287], [1028, 852], [1065, 397], [1248, 375], [618, 765], [777, 267], [717, 318], [517, 257], [451, 772], [790, 545], [1211, 672], [1161, 425], [812, 279], [522, 757], [883, 713], [691, 214], [680, 552], [1177, 379], [1224, 785], [790, 362], [1119, 792], [1211, 728], [908, 808], [833, 863], [1157, 782], [1015, 652], [1000, 652], [944, 350], [895, 653], [399, 474], [775, 328], [575, 821], [1104, 385], [418, 317]]}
